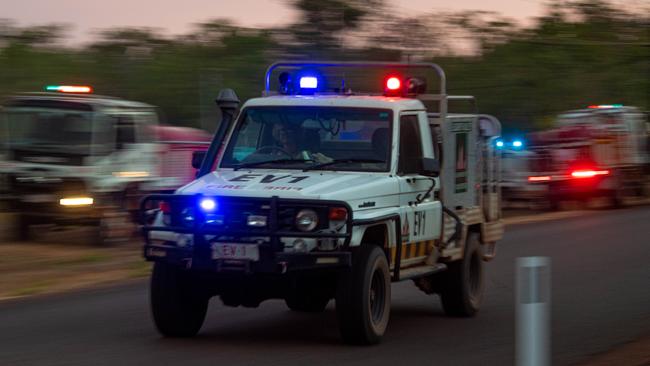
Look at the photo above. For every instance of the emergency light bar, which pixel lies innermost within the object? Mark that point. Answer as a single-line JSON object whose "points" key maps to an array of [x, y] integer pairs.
{"points": [[601, 106], [81, 89], [298, 78]]}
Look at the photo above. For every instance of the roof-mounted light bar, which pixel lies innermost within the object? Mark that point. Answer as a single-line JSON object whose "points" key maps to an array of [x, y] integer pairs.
{"points": [[603, 106], [77, 89]]}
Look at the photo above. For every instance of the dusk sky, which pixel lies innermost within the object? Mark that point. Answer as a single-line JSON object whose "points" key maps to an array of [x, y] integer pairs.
{"points": [[175, 17]]}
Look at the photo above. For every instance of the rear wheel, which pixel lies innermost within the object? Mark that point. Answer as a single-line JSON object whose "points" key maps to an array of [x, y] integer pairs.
{"points": [[177, 302], [363, 297], [462, 283]]}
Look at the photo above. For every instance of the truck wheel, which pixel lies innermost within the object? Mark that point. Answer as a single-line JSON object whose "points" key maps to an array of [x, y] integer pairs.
{"points": [[177, 304], [307, 303], [462, 283], [363, 297], [21, 227]]}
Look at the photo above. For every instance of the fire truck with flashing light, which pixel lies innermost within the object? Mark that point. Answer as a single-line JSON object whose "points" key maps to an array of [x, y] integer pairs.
{"points": [[76, 158], [600, 151], [317, 191]]}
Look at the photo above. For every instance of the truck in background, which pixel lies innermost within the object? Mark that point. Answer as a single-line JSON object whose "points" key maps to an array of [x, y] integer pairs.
{"points": [[600, 151], [76, 158]]}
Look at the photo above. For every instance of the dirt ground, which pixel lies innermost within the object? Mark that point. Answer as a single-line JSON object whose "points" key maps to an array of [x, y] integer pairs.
{"points": [[636, 353], [60, 260]]}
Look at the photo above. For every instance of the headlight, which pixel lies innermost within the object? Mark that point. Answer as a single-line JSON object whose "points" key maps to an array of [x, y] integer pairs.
{"points": [[306, 220]]}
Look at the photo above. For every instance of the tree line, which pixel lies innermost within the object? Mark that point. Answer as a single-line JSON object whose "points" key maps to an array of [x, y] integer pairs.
{"points": [[577, 53]]}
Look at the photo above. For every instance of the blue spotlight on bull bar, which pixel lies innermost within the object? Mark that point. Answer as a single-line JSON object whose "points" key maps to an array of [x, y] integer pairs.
{"points": [[499, 143], [308, 82], [208, 204]]}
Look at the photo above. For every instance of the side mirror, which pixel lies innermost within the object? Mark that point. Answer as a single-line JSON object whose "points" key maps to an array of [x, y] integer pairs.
{"points": [[197, 158], [430, 167]]}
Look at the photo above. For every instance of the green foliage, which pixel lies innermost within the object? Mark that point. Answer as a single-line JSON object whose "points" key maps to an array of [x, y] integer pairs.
{"points": [[578, 53]]}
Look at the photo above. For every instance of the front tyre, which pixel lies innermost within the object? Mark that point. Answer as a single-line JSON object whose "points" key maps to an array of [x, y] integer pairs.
{"points": [[177, 304], [363, 298], [462, 283]]}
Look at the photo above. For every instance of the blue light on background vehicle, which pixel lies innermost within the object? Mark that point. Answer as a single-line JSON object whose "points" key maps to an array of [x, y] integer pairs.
{"points": [[517, 144], [308, 82], [208, 204], [499, 143]]}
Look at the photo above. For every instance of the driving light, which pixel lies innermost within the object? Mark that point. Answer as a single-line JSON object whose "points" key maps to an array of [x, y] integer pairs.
{"points": [[76, 201], [308, 82], [306, 220], [142, 174], [208, 204]]}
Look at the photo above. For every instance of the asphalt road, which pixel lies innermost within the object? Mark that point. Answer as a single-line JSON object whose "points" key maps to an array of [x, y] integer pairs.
{"points": [[600, 296]]}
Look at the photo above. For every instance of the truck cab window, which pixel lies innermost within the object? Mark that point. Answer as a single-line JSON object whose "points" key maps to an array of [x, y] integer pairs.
{"points": [[410, 151], [125, 132]]}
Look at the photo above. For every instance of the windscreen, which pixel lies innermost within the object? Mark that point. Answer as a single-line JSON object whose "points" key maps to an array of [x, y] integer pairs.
{"points": [[55, 127], [327, 138]]}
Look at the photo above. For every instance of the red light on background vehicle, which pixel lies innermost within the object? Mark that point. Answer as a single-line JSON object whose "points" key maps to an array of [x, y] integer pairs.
{"points": [[588, 173], [338, 214], [393, 83], [543, 178]]}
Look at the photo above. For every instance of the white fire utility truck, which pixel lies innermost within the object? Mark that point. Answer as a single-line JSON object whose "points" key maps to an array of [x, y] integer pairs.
{"points": [[316, 192], [600, 151], [82, 159]]}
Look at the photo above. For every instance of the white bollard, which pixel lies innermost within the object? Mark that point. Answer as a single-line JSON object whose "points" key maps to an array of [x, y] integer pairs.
{"points": [[533, 322]]}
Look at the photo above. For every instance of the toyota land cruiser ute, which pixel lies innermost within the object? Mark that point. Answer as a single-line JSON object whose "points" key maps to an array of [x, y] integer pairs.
{"points": [[319, 192]]}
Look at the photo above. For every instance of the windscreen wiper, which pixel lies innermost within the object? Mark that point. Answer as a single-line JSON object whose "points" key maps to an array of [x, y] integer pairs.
{"points": [[342, 161], [281, 161]]}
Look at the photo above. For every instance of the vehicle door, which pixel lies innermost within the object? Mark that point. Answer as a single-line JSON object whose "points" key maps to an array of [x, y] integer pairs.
{"points": [[420, 216]]}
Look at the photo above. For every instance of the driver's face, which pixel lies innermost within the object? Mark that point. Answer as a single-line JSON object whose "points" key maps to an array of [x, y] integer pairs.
{"points": [[284, 136]]}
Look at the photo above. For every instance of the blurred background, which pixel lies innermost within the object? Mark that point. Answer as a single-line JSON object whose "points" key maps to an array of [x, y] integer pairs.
{"points": [[524, 60]]}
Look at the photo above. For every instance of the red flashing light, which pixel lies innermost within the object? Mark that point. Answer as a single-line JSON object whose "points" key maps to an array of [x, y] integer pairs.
{"points": [[543, 178], [393, 83], [338, 214], [588, 173]]}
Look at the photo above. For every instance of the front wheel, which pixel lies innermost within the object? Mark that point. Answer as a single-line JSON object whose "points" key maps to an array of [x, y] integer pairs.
{"points": [[363, 297], [177, 302], [462, 283]]}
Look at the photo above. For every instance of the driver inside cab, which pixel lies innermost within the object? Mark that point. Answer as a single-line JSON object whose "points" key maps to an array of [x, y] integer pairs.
{"points": [[289, 140]]}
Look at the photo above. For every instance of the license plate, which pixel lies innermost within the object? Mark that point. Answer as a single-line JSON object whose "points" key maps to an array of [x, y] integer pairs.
{"points": [[38, 198], [236, 251]]}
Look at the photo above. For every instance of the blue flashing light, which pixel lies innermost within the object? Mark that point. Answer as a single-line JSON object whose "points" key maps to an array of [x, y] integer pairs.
{"points": [[308, 82], [517, 143], [208, 204], [499, 143]]}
